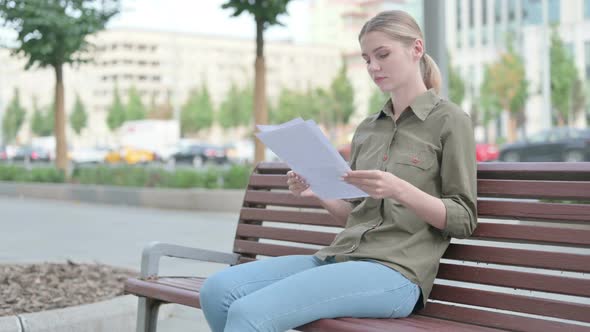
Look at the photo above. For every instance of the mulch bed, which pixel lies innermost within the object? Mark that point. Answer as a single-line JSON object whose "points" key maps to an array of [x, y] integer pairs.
{"points": [[39, 287]]}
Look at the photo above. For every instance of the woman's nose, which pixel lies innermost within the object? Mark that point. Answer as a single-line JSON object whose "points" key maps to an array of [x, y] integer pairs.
{"points": [[373, 67]]}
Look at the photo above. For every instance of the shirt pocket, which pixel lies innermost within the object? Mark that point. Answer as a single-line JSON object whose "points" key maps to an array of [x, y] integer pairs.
{"points": [[415, 167]]}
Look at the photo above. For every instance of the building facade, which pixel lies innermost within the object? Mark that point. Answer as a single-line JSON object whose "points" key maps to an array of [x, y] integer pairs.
{"points": [[477, 32], [159, 64]]}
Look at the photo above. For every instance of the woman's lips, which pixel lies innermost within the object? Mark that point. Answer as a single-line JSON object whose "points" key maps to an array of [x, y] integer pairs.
{"points": [[379, 79]]}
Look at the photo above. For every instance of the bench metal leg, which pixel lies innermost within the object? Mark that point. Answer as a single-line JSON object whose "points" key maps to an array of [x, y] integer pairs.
{"points": [[147, 314]]}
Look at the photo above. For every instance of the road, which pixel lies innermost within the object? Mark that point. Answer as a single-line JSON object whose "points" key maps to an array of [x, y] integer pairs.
{"points": [[54, 231]]}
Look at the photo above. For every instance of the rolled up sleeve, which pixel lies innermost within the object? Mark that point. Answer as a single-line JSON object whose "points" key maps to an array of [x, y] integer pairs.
{"points": [[459, 176]]}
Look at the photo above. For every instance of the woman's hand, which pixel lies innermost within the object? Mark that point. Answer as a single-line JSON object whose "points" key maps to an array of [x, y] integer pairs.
{"points": [[298, 186], [377, 184]]}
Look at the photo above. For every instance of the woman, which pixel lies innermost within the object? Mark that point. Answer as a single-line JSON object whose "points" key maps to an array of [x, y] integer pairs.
{"points": [[416, 160]]}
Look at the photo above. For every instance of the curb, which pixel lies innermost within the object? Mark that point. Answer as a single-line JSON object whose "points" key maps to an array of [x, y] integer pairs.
{"points": [[214, 200], [118, 314]]}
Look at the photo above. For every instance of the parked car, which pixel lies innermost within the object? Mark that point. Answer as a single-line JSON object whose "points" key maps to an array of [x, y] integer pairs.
{"points": [[242, 152], [199, 154], [486, 152], [32, 154], [88, 155], [130, 156], [556, 144]]}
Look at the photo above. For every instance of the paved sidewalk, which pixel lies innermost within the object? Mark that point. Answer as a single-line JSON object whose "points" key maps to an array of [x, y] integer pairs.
{"points": [[46, 230]]}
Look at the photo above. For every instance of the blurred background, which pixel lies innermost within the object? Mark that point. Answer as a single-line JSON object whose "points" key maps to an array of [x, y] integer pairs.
{"points": [[170, 84]]}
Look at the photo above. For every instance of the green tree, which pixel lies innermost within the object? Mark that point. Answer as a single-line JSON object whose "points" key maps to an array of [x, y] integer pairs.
{"points": [[13, 118], [509, 84], [162, 111], [489, 105], [53, 33], [116, 115], [265, 13], [456, 85], [563, 77], [135, 109], [377, 100], [343, 95], [78, 117], [236, 109], [42, 123], [197, 113]]}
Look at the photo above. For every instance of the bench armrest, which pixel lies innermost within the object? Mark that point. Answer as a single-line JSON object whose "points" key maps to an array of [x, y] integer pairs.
{"points": [[150, 258]]}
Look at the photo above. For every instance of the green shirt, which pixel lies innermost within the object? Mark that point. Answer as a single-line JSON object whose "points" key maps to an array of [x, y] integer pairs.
{"points": [[431, 146]]}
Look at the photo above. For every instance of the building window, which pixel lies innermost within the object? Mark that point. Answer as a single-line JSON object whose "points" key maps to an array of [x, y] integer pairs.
{"points": [[532, 11], [484, 12], [471, 14], [587, 56], [498, 11], [459, 14], [554, 11], [511, 10], [569, 48], [587, 9]]}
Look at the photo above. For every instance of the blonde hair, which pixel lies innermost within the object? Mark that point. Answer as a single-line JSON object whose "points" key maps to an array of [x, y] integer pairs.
{"points": [[400, 26]]}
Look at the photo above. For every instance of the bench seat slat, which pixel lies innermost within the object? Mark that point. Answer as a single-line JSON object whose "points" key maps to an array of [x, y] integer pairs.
{"points": [[515, 279], [279, 199], [512, 302], [533, 211], [292, 217], [532, 233], [282, 234], [534, 189], [497, 319], [410, 324], [520, 257]]}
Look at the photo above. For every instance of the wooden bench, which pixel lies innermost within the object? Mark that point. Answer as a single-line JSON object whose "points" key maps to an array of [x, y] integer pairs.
{"points": [[525, 268]]}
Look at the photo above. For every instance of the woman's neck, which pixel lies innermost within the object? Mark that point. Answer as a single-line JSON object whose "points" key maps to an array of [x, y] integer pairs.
{"points": [[404, 96]]}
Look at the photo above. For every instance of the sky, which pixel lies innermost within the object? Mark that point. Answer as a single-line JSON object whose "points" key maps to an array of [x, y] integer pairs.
{"points": [[200, 17], [206, 17]]}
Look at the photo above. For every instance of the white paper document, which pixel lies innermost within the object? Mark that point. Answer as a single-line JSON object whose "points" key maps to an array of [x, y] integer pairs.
{"points": [[303, 146]]}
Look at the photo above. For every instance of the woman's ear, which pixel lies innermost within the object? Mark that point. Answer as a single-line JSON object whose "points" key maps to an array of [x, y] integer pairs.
{"points": [[418, 49]]}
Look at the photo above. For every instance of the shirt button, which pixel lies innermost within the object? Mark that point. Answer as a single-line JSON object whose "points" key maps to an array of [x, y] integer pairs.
{"points": [[385, 158]]}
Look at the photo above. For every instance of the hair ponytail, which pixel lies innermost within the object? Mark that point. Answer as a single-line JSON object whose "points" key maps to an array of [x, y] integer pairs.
{"points": [[430, 73]]}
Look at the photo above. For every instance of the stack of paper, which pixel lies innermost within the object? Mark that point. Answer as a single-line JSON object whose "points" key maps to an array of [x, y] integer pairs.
{"points": [[303, 146]]}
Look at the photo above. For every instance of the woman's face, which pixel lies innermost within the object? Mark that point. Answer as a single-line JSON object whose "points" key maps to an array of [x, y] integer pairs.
{"points": [[389, 63]]}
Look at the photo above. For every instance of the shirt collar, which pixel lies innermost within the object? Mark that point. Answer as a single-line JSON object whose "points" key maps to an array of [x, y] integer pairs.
{"points": [[422, 106]]}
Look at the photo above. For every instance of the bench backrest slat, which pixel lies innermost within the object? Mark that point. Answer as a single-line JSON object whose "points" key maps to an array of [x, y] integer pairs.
{"points": [[520, 257], [512, 302], [515, 279], [533, 210], [282, 234], [533, 234], [530, 253], [292, 217], [530, 188]]}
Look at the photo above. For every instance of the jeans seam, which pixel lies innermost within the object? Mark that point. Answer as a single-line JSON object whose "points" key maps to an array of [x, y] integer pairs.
{"points": [[405, 299], [326, 301]]}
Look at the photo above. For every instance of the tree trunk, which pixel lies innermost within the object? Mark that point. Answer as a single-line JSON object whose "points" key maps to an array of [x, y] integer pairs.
{"points": [[512, 126], [260, 111], [61, 152]]}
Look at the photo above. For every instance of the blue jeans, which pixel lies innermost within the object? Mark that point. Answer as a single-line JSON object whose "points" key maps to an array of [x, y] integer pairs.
{"points": [[281, 293]]}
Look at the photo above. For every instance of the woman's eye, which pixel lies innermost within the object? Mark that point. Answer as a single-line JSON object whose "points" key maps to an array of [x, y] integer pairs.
{"points": [[383, 56], [367, 61]]}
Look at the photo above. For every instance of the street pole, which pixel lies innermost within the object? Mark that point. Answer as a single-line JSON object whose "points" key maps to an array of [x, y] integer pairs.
{"points": [[435, 38], [546, 119]]}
